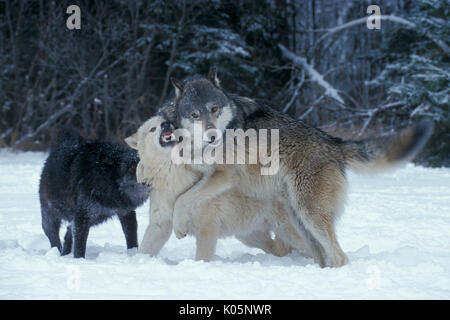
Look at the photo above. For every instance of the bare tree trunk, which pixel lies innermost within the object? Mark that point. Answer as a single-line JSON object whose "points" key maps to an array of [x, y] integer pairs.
{"points": [[173, 53]]}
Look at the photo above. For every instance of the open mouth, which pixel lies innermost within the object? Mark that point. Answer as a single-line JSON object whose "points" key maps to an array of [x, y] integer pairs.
{"points": [[167, 138]]}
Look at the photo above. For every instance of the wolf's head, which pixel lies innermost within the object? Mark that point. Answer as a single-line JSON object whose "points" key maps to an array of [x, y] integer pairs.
{"points": [[202, 101], [153, 141], [153, 136]]}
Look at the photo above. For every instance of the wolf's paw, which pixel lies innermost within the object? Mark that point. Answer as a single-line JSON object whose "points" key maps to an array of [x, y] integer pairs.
{"points": [[132, 251], [180, 234], [180, 227], [181, 219]]}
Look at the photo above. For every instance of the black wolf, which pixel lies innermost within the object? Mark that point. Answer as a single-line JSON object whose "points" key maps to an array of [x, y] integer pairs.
{"points": [[85, 182]]}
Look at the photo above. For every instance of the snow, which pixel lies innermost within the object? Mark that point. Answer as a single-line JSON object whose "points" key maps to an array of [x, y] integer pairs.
{"points": [[395, 231]]}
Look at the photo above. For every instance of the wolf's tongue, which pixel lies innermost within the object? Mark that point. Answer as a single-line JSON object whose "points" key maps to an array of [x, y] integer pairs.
{"points": [[167, 133]]}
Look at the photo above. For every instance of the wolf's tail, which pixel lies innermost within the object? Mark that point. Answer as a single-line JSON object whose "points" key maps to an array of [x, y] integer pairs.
{"points": [[65, 136], [379, 153]]}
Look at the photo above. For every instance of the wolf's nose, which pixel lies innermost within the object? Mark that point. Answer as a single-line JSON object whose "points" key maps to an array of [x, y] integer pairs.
{"points": [[166, 126]]}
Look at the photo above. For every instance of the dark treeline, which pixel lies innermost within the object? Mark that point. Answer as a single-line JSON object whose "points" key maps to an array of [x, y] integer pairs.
{"points": [[314, 59]]}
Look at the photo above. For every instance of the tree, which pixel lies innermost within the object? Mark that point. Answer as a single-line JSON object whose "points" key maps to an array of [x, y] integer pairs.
{"points": [[417, 71]]}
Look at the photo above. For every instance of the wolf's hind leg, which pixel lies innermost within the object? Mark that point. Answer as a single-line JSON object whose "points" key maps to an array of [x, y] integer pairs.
{"points": [[129, 227], [51, 225], [67, 247], [324, 232], [315, 205], [280, 248], [289, 237], [257, 239], [311, 242], [262, 240]]}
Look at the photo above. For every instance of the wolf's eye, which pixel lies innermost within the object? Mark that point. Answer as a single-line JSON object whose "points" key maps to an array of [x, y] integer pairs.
{"points": [[194, 115], [214, 109], [153, 129]]}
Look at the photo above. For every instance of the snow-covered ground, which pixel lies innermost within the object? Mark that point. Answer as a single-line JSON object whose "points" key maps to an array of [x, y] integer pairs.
{"points": [[396, 232]]}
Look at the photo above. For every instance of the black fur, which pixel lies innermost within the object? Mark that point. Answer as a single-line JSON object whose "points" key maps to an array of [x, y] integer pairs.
{"points": [[168, 110], [67, 136], [85, 182]]}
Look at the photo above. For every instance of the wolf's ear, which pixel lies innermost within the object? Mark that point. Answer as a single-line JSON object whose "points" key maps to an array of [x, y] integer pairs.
{"points": [[178, 85], [212, 76], [132, 141]]}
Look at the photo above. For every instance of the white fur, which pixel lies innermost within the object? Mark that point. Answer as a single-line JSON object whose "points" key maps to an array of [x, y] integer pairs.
{"points": [[230, 213], [224, 118]]}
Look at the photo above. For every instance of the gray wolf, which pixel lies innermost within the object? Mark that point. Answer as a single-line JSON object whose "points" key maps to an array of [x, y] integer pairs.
{"points": [[231, 213], [86, 182], [311, 181]]}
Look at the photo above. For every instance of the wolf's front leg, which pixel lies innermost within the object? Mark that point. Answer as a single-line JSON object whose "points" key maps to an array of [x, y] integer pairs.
{"points": [[80, 233], [160, 226], [208, 187], [181, 223], [129, 227], [155, 237]]}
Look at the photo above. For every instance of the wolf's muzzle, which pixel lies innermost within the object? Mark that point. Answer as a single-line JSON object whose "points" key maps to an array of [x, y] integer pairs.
{"points": [[166, 135]]}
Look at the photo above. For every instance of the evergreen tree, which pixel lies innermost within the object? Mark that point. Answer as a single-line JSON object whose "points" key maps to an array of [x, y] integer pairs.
{"points": [[417, 72]]}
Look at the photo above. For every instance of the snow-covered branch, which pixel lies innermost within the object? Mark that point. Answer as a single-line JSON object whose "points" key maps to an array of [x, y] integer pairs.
{"points": [[392, 18], [313, 73], [372, 112], [304, 114]]}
